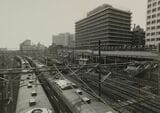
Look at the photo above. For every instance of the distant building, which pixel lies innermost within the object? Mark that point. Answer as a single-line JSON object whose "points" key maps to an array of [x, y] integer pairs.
{"points": [[28, 46], [41, 47], [59, 39], [64, 39], [3, 49], [138, 36], [52, 49], [106, 23], [153, 24], [71, 41]]}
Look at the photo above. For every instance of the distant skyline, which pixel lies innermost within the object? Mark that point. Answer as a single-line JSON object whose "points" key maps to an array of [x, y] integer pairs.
{"points": [[38, 20]]}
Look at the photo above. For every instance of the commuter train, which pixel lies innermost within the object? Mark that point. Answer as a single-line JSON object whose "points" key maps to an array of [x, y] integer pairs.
{"points": [[31, 96], [70, 98], [76, 99]]}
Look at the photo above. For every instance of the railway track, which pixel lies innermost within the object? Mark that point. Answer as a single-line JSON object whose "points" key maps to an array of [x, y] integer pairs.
{"points": [[127, 95], [131, 98], [124, 103], [133, 91]]}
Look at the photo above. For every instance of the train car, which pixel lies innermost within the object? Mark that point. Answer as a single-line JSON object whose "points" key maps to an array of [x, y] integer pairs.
{"points": [[52, 61], [76, 99], [31, 96], [69, 98], [38, 64]]}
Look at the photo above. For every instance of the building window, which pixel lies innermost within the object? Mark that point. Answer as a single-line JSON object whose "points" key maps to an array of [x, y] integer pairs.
{"points": [[148, 28], [149, 5], [153, 28], [154, 21], [154, 10], [148, 17], [158, 39], [148, 23], [153, 33], [158, 14], [154, 4], [148, 34], [157, 33], [154, 15], [148, 40], [153, 39], [158, 2], [158, 27], [158, 21]]}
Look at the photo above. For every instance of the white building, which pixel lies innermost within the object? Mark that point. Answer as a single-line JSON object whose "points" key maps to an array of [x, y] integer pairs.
{"points": [[153, 24]]}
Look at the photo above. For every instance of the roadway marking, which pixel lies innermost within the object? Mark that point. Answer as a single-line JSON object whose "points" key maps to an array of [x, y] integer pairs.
{"points": [[60, 111]]}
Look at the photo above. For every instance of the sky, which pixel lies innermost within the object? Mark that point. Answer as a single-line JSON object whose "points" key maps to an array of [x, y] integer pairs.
{"points": [[38, 20]]}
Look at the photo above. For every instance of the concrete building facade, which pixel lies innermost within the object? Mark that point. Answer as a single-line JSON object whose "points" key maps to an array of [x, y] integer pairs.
{"points": [[28, 46], [106, 23], [64, 39], [153, 24]]}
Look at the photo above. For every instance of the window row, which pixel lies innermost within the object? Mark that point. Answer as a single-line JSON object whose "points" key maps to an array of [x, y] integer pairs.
{"points": [[152, 16], [153, 27], [153, 33], [153, 10], [153, 4], [153, 39], [153, 22]]}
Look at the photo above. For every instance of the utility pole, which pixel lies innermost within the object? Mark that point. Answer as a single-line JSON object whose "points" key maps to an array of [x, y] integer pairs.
{"points": [[99, 55]]}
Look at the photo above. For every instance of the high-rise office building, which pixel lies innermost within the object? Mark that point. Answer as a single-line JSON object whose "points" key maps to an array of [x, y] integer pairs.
{"points": [[106, 23], [153, 24]]}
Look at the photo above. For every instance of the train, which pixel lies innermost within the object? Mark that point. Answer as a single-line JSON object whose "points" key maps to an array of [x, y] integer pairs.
{"points": [[76, 99], [31, 96], [69, 96]]}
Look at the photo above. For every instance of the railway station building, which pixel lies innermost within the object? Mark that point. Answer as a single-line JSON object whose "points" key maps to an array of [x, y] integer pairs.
{"points": [[110, 25]]}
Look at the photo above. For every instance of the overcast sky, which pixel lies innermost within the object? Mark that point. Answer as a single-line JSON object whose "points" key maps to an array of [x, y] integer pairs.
{"points": [[38, 20]]}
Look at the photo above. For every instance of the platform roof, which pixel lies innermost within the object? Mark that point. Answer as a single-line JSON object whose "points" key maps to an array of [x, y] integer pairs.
{"points": [[134, 54]]}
